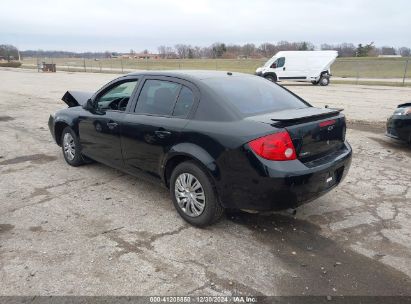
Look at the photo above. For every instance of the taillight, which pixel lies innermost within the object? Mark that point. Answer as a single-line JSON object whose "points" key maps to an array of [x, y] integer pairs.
{"points": [[278, 146], [327, 123]]}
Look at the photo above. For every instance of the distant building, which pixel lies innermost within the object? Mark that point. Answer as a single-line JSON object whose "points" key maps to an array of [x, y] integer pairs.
{"points": [[146, 56], [140, 56]]}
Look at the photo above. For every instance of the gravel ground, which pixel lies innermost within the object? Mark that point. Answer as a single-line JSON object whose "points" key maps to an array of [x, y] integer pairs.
{"points": [[93, 230]]}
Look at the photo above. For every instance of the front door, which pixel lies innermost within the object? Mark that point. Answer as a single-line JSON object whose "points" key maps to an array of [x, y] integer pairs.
{"points": [[99, 130], [156, 124], [280, 68]]}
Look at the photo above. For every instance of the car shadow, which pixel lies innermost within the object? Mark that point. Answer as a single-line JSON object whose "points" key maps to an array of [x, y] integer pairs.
{"points": [[319, 265], [388, 143], [294, 84]]}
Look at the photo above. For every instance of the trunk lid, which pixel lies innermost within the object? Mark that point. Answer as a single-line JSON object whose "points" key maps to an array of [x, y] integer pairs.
{"points": [[315, 132], [76, 98]]}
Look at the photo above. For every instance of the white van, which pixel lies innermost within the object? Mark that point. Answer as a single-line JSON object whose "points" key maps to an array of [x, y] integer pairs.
{"points": [[313, 66]]}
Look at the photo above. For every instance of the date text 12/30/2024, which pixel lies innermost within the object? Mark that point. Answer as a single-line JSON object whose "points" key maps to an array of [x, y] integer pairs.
{"points": [[204, 299]]}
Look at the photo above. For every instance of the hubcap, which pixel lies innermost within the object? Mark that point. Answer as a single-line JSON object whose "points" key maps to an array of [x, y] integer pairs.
{"points": [[324, 80], [69, 146], [189, 194]]}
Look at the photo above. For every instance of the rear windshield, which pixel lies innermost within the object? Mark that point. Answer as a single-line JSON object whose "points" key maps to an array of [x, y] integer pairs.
{"points": [[254, 95]]}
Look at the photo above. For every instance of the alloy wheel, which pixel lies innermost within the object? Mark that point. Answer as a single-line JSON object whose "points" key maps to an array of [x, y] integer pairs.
{"points": [[69, 146], [190, 194]]}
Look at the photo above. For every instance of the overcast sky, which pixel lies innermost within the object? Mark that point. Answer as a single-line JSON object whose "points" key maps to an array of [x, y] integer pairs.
{"points": [[121, 25]]}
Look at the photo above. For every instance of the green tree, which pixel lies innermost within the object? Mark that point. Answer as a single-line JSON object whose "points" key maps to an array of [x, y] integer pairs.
{"points": [[218, 49], [10, 52], [303, 47], [365, 51], [190, 53]]}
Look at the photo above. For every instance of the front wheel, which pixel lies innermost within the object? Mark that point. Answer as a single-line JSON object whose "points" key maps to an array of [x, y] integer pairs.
{"points": [[270, 78], [324, 80], [194, 196], [71, 147]]}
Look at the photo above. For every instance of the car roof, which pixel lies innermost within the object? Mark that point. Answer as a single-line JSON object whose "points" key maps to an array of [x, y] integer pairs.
{"points": [[190, 74]]}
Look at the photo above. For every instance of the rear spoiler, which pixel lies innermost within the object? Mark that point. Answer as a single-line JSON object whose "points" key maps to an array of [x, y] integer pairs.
{"points": [[403, 105], [76, 98], [287, 118]]}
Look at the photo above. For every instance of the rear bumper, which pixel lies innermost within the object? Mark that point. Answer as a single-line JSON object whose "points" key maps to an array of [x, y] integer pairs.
{"points": [[399, 128], [282, 185]]}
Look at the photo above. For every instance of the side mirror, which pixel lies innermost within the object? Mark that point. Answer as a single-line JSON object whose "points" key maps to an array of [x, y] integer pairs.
{"points": [[89, 106], [274, 65]]}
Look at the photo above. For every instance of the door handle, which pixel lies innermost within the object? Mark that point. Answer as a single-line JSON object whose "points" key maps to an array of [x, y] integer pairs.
{"points": [[162, 133], [112, 125], [283, 68]]}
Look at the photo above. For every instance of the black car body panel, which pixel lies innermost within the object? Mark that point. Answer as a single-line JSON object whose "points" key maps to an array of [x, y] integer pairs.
{"points": [[76, 98], [399, 126], [301, 115], [216, 136], [265, 185], [403, 105]]}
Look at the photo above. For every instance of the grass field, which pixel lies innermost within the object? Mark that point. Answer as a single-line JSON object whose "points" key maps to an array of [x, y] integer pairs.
{"points": [[343, 67], [371, 67]]}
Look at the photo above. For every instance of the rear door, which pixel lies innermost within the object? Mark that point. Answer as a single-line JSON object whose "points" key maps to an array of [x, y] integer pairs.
{"points": [[147, 133]]}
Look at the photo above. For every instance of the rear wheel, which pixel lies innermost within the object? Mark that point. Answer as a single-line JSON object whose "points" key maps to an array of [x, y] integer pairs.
{"points": [[71, 147], [194, 196], [271, 78]]}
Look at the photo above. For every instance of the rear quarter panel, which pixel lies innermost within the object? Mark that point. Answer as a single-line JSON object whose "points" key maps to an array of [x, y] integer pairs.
{"points": [[220, 146]]}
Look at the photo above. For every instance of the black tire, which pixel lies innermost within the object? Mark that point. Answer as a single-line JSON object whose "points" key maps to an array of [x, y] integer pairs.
{"points": [[314, 82], [77, 159], [212, 211], [271, 78], [324, 81]]}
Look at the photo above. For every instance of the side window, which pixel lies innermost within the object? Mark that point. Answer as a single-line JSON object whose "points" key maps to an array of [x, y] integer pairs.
{"points": [[117, 97], [280, 62], [184, 103], [157, 97]]}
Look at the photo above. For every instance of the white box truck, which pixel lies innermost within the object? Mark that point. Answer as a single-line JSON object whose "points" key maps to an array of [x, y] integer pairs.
{"points": [[310, 66]]}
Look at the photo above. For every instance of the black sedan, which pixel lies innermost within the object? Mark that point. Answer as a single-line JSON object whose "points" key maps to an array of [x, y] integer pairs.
{"points": [[217, 140], [399, 124]]}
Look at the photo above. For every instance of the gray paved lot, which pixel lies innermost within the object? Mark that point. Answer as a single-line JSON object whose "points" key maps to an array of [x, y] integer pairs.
{"points": [[93, 230]]}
